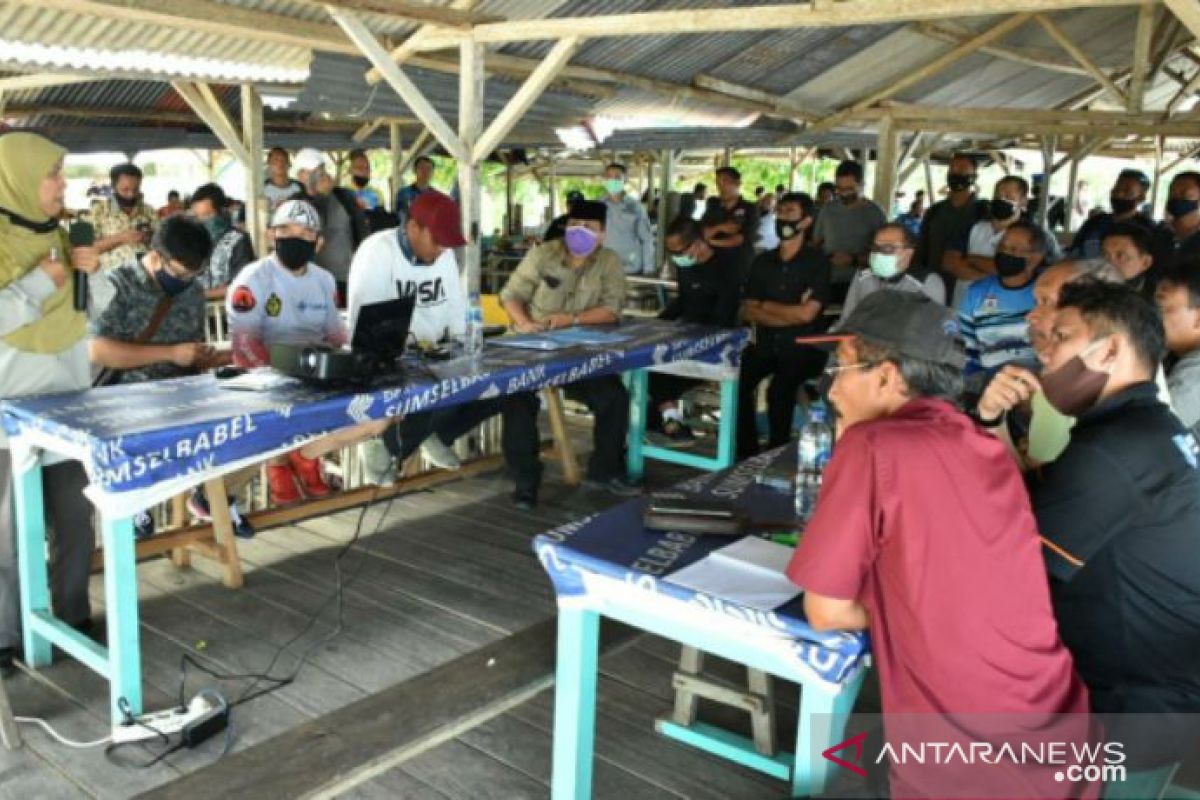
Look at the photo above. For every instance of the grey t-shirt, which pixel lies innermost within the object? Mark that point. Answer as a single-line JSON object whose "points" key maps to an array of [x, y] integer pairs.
{"points": [[338, 234], [848, 229], [1184, 385], [136, 294]]}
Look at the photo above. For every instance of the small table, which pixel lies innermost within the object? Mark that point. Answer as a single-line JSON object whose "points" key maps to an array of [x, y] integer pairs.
{"points": [[610, 565]]}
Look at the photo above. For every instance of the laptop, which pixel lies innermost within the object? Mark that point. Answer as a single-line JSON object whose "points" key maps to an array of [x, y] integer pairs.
{"points": [[379, 339]]}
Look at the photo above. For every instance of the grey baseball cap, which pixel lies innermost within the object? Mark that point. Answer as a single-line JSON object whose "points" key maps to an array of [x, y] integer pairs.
{"points": [[908, 322]]}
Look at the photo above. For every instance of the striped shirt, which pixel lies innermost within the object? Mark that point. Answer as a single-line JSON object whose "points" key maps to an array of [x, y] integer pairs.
{"points": [[992, 318]]}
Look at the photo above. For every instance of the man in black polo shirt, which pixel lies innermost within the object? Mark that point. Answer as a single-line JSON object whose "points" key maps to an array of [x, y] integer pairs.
{"points": [[1119, 512], [1126, 199], [946, 230], [733, 223], [710, 293], [1183, 204], [787, 290]]}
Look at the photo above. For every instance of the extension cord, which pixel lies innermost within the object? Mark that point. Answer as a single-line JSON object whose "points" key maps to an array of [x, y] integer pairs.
{"points": [[160, 723]]}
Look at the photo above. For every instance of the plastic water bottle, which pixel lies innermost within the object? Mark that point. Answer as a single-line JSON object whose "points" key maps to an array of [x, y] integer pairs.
{"points": [[473, 345], [816, 445]]}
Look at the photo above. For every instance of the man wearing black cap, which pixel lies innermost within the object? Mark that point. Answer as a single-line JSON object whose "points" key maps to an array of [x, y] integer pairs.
{"points": [[572, 281], [558, 225], [1126, 199], [955, 593]]}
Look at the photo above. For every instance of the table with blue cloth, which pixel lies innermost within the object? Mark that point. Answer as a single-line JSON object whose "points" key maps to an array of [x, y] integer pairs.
{"points": [[611, 565], [144, 443]]}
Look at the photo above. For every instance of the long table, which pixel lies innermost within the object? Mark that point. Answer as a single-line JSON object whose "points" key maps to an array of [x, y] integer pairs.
{"points": [[144, 443], [610, 565]]}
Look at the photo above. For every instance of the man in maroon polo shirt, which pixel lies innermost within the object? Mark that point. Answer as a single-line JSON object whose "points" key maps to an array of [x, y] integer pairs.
{"points": [[923, 533]]}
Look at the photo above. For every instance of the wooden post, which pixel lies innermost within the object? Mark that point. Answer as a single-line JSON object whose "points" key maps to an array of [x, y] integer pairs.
{"points": [[1072, 192], [1048, 146], [252, 140], [553, 188], [885, 165], [1159, 142], [396, 145], [470, 128], [666, 159], [727, 157], [930, 197]]}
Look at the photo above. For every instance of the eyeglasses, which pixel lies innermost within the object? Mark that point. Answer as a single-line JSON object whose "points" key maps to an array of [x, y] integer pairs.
{"points": [[888, 249], [834, 367]]}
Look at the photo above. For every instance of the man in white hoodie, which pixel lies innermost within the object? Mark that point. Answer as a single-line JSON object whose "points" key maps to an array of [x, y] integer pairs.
{"points": [[421, 263]]}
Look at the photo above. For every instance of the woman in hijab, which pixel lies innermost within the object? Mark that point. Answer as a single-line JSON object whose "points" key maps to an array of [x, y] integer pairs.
{"points": [[42, 349]]}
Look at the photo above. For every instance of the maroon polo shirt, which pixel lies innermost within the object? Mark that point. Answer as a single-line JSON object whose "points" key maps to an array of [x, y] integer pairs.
{"points": [[924, 519]]}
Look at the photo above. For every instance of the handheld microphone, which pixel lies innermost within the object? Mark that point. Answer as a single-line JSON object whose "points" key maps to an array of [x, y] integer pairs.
{"points": [[81, 234]]}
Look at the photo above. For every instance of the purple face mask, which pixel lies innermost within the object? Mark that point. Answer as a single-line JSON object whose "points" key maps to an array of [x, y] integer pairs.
{"points": [[581, 241]]}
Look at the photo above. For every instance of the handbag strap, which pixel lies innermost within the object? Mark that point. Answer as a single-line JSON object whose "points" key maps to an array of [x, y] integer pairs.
{"points": [[156, 320]]}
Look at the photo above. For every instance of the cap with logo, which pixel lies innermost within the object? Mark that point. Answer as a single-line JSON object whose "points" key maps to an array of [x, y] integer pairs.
{"points": [[309, 159], [440, 215], [908, 322], [296, 212]]}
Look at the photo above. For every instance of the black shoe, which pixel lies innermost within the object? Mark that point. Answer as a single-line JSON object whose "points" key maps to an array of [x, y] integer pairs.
{"points": [[241, 526], [524, 499], [620, 486], [143, 525], [198, 504], [8, 663]]}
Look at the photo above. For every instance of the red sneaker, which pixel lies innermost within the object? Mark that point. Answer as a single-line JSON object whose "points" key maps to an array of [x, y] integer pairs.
{"points": [[308, 471], [282, 483]]}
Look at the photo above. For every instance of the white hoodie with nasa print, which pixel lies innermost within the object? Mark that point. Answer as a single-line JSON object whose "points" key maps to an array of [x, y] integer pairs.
{"points": [[381, 271]]}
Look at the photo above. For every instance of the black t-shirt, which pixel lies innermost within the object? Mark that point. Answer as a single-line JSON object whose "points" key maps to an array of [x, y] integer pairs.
{"points": [[1187, 248], [745, 214], [1121, 511], [947, 227], [773, 279], [709, 293]]}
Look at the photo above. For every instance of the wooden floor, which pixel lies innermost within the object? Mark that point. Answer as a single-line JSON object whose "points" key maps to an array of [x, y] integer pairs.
{"points": [[435, 575]]}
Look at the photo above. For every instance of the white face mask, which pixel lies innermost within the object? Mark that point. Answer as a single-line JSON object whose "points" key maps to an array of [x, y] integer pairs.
{"points": [[885, 265]]}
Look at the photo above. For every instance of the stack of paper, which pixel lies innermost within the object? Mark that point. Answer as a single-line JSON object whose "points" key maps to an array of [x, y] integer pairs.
{"points": [[749, 572]]}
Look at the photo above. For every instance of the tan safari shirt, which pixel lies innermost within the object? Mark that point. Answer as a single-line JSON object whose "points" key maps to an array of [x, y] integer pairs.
{"points": [[547, 285], [109, 219]]}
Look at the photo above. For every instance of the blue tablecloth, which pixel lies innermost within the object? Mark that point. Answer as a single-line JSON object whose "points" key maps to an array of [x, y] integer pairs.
{"points": [[615, 544], [131, 438]]}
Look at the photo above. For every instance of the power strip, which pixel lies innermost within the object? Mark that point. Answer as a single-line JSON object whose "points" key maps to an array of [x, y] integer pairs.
{"points": [[149, 726]]}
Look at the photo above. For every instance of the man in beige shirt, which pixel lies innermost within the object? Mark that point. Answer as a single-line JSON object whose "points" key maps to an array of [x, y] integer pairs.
{"points": [[572, 281], [124, 225]]}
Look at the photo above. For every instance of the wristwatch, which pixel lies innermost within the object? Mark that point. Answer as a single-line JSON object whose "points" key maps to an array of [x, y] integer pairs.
{"points": [[994, 422]]}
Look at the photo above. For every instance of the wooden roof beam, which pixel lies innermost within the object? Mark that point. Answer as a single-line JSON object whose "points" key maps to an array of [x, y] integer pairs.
{"points": [[18, 83], [200, 97], [1141, 57], [412, 45], [781, 107], [1188, 12], [1029, 56], [1077, 53], [757, 18]]}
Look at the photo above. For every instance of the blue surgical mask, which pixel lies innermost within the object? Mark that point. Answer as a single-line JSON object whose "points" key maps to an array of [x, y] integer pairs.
{"points": [[683, 260], [614, 185], [884, 265]]}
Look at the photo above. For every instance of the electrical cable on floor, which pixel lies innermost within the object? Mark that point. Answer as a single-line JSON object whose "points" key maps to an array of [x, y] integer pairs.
{"points": [[44, 725]]}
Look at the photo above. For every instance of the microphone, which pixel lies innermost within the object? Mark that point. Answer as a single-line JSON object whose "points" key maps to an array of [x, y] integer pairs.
{"points": [[81, 234]]}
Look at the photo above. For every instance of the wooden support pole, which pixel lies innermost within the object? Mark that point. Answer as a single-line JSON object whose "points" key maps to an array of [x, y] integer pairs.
{"points": [[1185, 156], [1188, 12], [509, 227], [365, 131], [1072, 193], [1064, 41], [1049, 143], [930, 196], [396, 147], [395, 77], [885, 165], [1159, 143], [553, 187], [526, 96], [470, 128], [666, 161], [1141, 57], [212, 114], [252, 140], [411, 155]]}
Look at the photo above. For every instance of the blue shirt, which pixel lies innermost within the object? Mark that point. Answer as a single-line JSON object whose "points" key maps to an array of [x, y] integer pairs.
{"points": [[992, 318]]}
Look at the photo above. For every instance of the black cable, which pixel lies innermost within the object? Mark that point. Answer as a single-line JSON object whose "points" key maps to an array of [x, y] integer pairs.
{"points": [[336, 596], [109, 752]]}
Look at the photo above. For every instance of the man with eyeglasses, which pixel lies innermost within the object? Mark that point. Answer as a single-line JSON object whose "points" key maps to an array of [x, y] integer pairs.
{"points": [[786, 294], [992, 314], [891, 266], [954, 594]]}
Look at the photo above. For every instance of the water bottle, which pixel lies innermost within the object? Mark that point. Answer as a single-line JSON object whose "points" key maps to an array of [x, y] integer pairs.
{"points": [[473, 345], [816, 445]]}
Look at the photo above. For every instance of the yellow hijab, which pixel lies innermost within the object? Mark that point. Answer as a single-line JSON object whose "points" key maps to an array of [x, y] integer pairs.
{"points": [[25, 159]]}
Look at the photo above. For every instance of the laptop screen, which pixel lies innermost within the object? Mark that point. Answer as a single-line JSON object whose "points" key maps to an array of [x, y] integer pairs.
{"points": [[382, 328]]}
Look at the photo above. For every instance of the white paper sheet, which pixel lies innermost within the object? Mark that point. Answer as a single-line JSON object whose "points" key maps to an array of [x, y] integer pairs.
{"points": [[749, 572]]}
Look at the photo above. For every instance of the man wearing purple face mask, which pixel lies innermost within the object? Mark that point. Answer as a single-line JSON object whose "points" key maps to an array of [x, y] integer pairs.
{"points": [[572, 281], [1118, 512]]}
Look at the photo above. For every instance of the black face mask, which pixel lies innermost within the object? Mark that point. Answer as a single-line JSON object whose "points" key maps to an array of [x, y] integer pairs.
{"points": [[1181, 206], [788, 228], [1008, 265], [1002, 209], [1121, 205], [127, 202], [360, 181], [960, 183], [170, 284], [294, 252]]}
